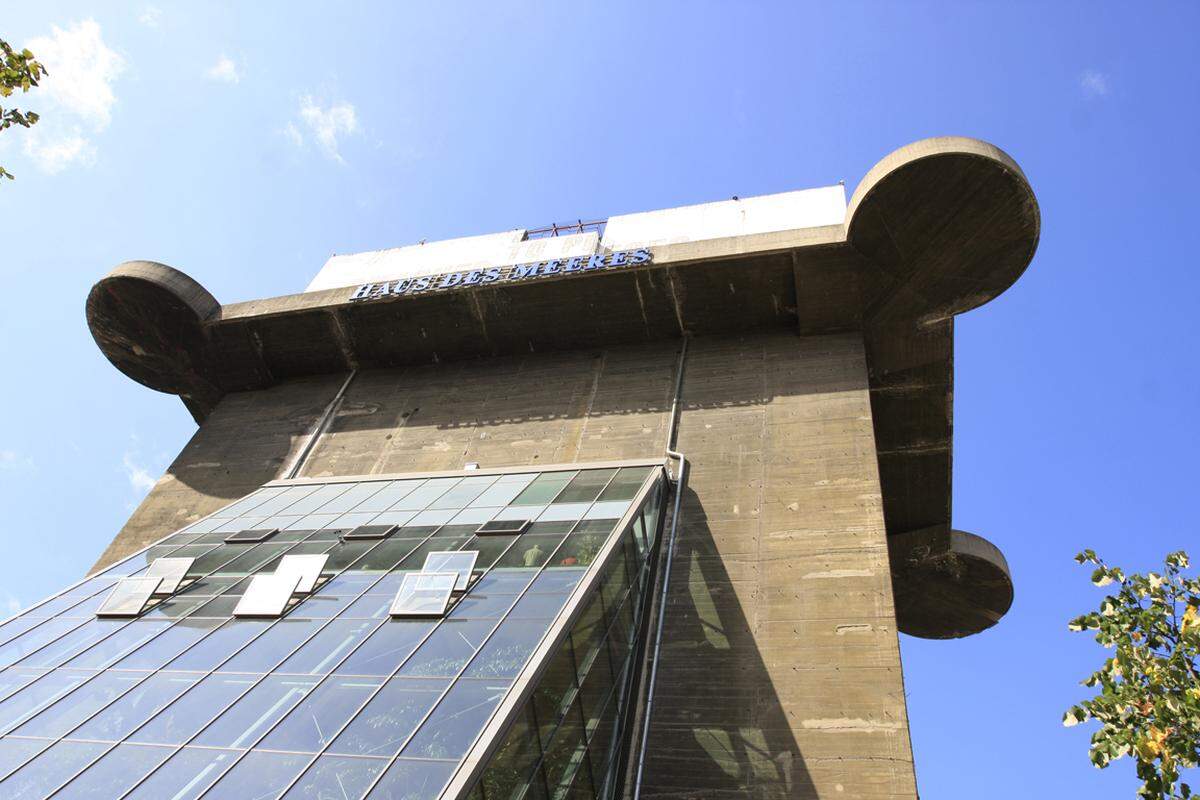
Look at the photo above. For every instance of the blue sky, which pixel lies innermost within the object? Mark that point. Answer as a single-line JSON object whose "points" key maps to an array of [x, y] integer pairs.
{"points": [[245, 145]]}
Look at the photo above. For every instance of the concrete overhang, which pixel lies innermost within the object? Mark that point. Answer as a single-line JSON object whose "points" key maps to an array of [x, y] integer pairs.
{"points": [[935, 229]]}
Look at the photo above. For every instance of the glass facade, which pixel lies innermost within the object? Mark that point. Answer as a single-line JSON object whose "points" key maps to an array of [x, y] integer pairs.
{"points": [[518, 686]]}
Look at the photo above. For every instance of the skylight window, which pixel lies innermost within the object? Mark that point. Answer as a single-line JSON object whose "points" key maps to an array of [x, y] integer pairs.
{"points": [[501, 526], [460, 562], [129, 597], [172, 571], [305, 567], [371, 532], [251, 535], [424, 594], [267, 595]]}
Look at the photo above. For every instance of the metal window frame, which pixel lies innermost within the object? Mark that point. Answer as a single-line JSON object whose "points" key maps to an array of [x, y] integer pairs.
{"points": [[393, 612]]}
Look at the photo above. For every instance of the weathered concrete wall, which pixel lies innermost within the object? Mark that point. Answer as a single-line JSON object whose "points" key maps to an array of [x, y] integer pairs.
{"points": [[781, 676], [244, 443], [781, 672]]}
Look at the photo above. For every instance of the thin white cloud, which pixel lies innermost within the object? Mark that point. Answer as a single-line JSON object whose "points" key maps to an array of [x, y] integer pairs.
{"points": [[293, 134], [326, 125], [77, 93], [12, 461], [1093, 83], [140, 479], [150, 16], [225, 70]]}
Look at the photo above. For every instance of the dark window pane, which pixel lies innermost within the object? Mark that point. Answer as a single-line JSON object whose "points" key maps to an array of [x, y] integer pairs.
{"points": [[253, 558], [336, 778], [490, 548], [38, 695], [136, 706], [456, 720], [386, 648], [586, 486], [310, 725], [544, 488], [566, 755], [413, 780], [257, 711], [220, 607], [511, 772], [532, 551], [579, 550], [390, 718], [175, 607], [554, 692], [170, 643], [273, 646], [215, 558], [185, 776], [445, 652], [258, 776], [302, 549], [625, 485], [112, 775], [181, 720], [386, 555], [117, 645], [80, 704], [346, 553], [219, 645], [508, 648], [39, 777], [322, 653]]}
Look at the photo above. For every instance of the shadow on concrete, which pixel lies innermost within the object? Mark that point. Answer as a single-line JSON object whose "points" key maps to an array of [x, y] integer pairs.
{"points": [[717, 721]]}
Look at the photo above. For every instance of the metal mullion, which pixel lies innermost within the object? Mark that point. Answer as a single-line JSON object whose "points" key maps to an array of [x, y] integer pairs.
{"points": [[393, 674], [483, 644], [320, 681], [66, 633], [259, 680], [560, 627]]}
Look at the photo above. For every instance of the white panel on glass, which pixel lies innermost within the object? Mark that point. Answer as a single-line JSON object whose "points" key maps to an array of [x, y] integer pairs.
{"points": [[129, 597], [460, 562], [267, 595], [306, 567], [171, 570], [423, 594]]}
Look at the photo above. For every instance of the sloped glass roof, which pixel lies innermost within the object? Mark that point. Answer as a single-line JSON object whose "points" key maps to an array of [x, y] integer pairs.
{"points": [[336, 698]]}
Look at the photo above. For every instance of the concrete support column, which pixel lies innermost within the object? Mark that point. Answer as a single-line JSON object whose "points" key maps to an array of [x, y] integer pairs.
{"points": [[780, 676]]}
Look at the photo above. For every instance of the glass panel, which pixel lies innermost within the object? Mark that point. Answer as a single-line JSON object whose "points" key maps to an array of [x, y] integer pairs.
{"points": [[258, 776], [557, 580], [482, 606], [336, 778], [112, 775], [504, 581], [310, 503], [191, 712], [322, 606], [185, 776], [255, 500], [563, 512], [532, 550], [579, 550], [52, 768], [508, 648], [456, 720], [467, 490], [15, 752], [175, 607], [14, 628], [219, 645], [135, 707], [586, 486], [386, 648], [390, 718], [253, 558], [489, 548], [273, 646], [346, 554], [253, 714], [117, 645], [413, 780], [358, 493], [310, 726], [425, 495], [504, 490], [613, 510], [57, 720], [391, 494], [424, 594], [545, 488], [373, 606], [71, 643], [539, 606], [322, 653], [387, 555], [14, 678], [37, 695], [625, 485], [445, 652], [509, 773]]}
